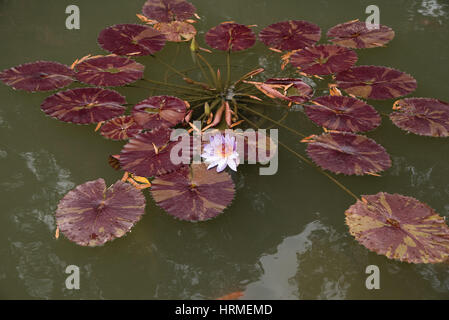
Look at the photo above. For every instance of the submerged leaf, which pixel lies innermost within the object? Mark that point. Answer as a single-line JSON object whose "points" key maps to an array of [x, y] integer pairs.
{"points": [[375, 82], [355, 34], [176, 31], [323, 59], [109, 71], [92, 214], [159, 111], [84, 105], [131, 39], [295, 90], [348, 153], [149, 154], [423, 116], [38, 76], [343, 114], [193, 193], [290, 35], [400, 228], [168, 10], [120, 128], [230, 36]]}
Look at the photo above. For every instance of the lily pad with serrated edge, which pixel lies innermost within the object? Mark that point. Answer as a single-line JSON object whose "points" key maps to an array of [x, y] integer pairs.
{"points": [[120, 128], [176, 31], [131, 39], [356, 35], [230, 36], [93, 214], [159, 111], [109, 71], [84, 105], [348, 153], [168, 10], [400, 228], [290, 35], [343, 114], [422, 116], [38, 76], [376, 82], [323, 59], [193, 193], [297, 90], [149, 154]]}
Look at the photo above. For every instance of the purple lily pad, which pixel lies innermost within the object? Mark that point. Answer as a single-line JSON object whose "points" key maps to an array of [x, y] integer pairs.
{"points": [[343, 114], [120, 128], [348, 153], [168, 10], [38, 76], [193, 193], [131, 39], [84, 105], [92, 214], [323, 59], [375, 82], [290, 35], [230, 36], [109, 71]]}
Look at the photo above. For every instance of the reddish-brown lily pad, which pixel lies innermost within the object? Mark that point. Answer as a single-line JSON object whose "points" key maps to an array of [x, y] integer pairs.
{"points": [[348, 153], [343, 114], [84, 105], [193, 193], [295, 90], [149, 154], [400, 228], [323, 59], [355, 34], [114, 161], [176, 31], [109, 71], [168, 10], [159, 111], [290, 35], [230, 36], [131, 39], [120, 128], [93, 214], [38, 76], [375, 82], [423, 116]]}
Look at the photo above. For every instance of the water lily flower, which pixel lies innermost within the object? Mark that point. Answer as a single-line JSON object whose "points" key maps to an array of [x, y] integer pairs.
{"points": [[221, 152]]}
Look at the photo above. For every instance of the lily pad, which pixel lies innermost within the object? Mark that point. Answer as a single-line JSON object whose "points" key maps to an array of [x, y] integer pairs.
{"points": [[375, 82], [290, 35], [230, 36], [159, 111], [400, 228], [193, 193], [323, 59], [168, 10], [343, 114], [38, 76], [84, 105], [296, 90], [131, 39], [348, 153], [120, 128], [109, 71], [176, 31], [422, 116], [92, 214], [149, 154], [114, 161], [355, 34]]}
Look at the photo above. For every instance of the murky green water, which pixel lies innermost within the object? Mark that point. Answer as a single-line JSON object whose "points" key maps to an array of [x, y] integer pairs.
{"points": [[284, 236]]}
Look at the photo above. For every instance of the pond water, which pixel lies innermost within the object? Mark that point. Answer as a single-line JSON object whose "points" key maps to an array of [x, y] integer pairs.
{"points": [[284, 236]]}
